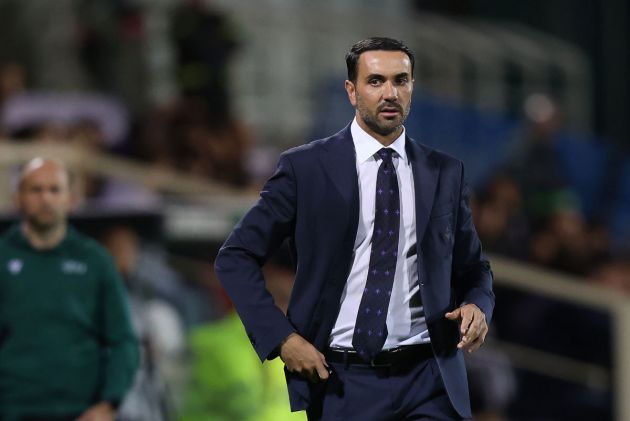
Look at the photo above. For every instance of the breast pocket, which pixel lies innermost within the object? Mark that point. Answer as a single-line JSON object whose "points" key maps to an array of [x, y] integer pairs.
{"points": [[441, 209], [439, 237]]}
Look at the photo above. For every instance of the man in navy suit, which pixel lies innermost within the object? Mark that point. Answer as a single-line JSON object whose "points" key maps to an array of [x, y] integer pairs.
{"points": [[391, 286]]}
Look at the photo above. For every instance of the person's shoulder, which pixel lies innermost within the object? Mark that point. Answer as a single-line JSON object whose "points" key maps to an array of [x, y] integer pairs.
{"points": [[9, 236], [4, 236], [87, 245], [305, 150], [436, 155], [316, 146]]}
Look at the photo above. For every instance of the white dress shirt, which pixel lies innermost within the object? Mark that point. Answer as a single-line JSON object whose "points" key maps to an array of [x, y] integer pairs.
{"points": [[405, 316]]}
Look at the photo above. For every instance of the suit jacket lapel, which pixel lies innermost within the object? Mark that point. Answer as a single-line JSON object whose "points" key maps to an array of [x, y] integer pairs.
{"points": [[340, 165], [425, 177], [339, 162]]}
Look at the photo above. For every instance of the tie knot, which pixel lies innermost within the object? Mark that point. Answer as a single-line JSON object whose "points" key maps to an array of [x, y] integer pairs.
{"points": [[386, 154]]}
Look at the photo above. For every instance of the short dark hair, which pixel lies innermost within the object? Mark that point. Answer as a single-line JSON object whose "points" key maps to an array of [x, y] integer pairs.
{"points": [[371, 44]]}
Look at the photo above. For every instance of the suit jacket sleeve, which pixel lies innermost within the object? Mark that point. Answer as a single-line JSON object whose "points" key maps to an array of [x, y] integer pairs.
{"points": [[472, 277], [239, 261]]}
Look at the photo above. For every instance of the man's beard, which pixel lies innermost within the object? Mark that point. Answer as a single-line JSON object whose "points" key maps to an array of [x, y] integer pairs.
{"points": [[371, 120], [43, 226]]}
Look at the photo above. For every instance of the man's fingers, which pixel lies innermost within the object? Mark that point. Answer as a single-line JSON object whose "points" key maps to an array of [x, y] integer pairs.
{"points": [[473, 330], [467, 319], [453, 315], [475, 345], [477, 326], [302, 357], [471, 335], [322, 371], [466, 326], [323, 358], [473, 327], [472, 343], [317, 372]]}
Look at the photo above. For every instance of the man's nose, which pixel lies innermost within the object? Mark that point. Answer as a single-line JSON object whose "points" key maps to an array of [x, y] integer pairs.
{"points": [[390, 93], [48, 195]]}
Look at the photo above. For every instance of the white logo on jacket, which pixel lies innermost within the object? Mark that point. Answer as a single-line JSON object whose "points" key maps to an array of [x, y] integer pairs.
{"points": [[15, 266], [75, 267]]}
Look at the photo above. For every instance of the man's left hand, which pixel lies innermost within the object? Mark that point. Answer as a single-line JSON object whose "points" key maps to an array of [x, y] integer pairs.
{"points": [[100, 412], [472, 325]]}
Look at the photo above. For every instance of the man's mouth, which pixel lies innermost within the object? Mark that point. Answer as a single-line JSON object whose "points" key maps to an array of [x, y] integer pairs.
{"points": [[390, 110]]}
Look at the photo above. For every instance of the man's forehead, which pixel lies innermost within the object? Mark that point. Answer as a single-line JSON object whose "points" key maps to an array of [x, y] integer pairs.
{"points": [[48, 171], [382, 61]]}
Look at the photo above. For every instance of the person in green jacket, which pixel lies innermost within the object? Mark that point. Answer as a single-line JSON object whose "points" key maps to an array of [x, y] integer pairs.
{"points": [[67, 348]]}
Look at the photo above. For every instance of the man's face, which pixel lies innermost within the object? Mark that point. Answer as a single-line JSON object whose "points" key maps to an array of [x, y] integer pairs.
{"points": [[382, 91], [43, 197]]}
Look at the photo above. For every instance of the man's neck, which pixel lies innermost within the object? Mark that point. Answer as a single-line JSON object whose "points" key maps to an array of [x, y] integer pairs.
{"points": [[44, 239]]}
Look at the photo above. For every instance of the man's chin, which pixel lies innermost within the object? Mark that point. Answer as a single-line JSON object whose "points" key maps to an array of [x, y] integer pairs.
{"points": [[383, 126], [388, 128], [43, 225]]}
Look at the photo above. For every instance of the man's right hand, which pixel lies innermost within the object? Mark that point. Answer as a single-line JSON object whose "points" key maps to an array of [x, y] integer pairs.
{"points": [[301, 357]]}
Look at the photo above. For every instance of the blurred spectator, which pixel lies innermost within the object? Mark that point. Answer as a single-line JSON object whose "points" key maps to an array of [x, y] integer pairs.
{"points": [[227, 381], [182, 137], [567, 243], [530, 211], [86, 111], [160, 330], [111, 48], [12, 81], [152, 277], [218, 153], [615, 275], [562, 243], [500, 219], [535, 166], [91, 122], [41, 36], [63, 311], [204, 41]]}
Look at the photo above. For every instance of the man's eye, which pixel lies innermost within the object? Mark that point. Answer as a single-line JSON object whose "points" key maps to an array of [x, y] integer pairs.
{"points": [[374, 82], [402, 81]]}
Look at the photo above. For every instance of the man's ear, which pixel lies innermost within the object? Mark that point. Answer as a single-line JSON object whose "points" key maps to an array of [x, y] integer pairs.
{"points": [[352, 93]]}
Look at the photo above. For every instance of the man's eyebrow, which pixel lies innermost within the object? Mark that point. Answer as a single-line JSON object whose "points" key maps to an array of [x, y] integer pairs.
{"points": [[375, 76], [382, 77]]}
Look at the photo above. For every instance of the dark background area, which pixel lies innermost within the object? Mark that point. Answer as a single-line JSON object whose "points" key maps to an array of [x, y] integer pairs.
{"points": [[600, 28]]}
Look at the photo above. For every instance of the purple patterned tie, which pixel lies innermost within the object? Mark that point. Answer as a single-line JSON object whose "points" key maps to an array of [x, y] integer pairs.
{"points": [[370, 329]]}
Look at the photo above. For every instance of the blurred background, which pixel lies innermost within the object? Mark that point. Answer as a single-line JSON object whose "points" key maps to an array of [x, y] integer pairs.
{"points": [[172, 113]]}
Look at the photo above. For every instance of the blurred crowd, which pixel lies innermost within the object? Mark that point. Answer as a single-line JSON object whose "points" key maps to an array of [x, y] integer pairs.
{"points": [[168, 105], [117, 91], [529, 209]]}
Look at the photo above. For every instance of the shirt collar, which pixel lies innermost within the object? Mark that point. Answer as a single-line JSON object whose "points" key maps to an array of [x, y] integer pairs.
{"points": [[366, 146]]}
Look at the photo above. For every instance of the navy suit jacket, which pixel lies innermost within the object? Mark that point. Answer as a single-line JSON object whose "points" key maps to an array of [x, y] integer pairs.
{"points": [[313, 200]]}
